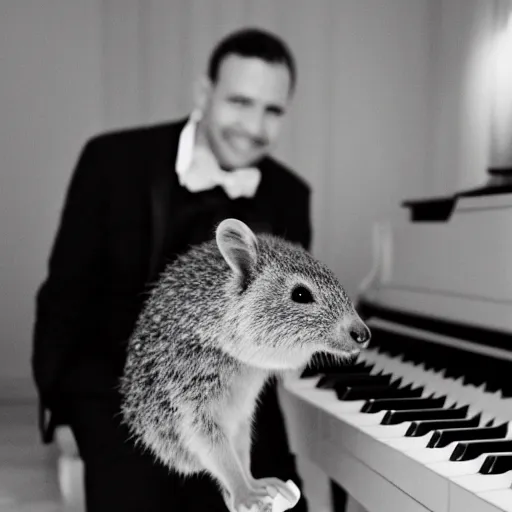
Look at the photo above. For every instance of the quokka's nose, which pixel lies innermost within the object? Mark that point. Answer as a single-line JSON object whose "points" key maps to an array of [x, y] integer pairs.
{"points": [[359, 332]]}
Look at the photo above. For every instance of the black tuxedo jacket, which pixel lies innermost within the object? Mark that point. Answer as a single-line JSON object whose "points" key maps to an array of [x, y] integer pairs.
{"points": [[109, 246]]}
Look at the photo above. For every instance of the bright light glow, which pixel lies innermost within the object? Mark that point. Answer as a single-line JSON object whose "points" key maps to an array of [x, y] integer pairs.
{"points": [[502, 111]]}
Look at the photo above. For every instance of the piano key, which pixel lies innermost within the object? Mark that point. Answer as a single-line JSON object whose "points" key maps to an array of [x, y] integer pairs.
{"points": [[380, 457], [362, 419], [345, 406], [408, 444], [479, 483], [442, 438], [395, 467], [459, 451], [488, 404], [402, 404], [333, 381], [430, 455], [312, 371], [472, 449], [393, 417], [399, 430], [438, 384], [459, 468], [374, 392], [386, 431], [496, 464], [419, 428]]}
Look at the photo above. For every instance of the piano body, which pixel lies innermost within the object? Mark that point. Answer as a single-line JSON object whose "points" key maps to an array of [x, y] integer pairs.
{"points": [[422, 421]]}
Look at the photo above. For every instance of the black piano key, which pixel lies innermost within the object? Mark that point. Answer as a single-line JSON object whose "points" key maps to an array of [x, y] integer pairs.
{"points": [[496, 464], [420, 428], [396, 417], [400, 404], [336, 369], [350, 369], [369, 392], [472, 449], [442, 438], [341, 380]]}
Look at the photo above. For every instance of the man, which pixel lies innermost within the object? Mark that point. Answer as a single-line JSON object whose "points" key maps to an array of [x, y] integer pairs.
{"points": [[137, 199]]}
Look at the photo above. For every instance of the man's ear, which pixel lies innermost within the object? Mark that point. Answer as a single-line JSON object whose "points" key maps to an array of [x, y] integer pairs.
{"points": [[239, 247], [202, 90]]}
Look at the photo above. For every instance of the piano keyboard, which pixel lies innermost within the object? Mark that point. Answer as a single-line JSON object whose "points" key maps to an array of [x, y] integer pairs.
{"points": [[423, 420], [401, 436]]}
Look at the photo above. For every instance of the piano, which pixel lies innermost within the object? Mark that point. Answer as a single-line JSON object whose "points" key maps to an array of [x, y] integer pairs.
{"points": [[422, 420]]}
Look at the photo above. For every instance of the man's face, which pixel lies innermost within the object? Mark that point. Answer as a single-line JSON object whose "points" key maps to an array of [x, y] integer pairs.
{"points": [[244, 109]]}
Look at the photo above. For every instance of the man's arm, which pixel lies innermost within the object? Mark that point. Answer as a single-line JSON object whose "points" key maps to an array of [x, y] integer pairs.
{"points": [[64, 300]]}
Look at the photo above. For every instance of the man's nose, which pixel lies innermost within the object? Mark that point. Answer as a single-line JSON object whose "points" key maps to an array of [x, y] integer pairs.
{"points": [[254, 124], [359, 332]]}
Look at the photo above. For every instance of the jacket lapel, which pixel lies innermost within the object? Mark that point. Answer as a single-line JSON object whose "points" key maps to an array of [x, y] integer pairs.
{"points": [[162, 178]]}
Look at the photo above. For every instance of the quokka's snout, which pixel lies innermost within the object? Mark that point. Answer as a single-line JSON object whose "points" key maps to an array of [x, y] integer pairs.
{"points": [[359, 332]]}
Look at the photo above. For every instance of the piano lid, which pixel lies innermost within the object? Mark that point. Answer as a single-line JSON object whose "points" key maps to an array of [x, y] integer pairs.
{"points": [[439, 209], [458, 271]]}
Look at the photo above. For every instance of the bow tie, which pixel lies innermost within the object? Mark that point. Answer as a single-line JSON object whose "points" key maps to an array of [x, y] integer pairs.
{"points": [[198, 169]]}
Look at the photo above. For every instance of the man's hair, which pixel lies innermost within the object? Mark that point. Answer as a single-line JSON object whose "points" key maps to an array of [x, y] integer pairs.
{"points": [[253, 42]]}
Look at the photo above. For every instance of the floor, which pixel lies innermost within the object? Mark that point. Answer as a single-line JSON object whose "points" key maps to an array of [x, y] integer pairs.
{"points": [[28, 479]]}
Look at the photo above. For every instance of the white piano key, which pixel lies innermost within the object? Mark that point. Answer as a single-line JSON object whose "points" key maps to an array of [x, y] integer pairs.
{"points": [[429, 455], [318, 398], [502, 498], [387, 431], [362, 419], [322, 398], [479, 483], [460, 468], [414, 443], [408, 444], [346, 406]]}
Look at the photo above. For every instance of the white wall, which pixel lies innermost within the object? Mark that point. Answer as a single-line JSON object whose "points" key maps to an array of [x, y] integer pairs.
{"points": [[377, 125], [462, 33], [50, 100], [364, 128]]}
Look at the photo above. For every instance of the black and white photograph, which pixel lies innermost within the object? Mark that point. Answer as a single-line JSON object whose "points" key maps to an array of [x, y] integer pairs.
{"points": [[256, 255]]}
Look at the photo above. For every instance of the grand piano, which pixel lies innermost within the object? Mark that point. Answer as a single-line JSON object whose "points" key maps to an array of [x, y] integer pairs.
{"points": [[422, 420]]}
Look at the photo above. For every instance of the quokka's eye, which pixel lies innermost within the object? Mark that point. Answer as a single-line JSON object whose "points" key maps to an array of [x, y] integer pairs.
{"points": [[302, 295]]}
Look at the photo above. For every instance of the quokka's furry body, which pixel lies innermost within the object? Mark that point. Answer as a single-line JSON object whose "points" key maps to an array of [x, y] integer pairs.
{"points": [[217, 324]]}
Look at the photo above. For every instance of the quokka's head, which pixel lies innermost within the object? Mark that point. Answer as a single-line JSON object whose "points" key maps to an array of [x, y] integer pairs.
{"points": [[284, 305]]}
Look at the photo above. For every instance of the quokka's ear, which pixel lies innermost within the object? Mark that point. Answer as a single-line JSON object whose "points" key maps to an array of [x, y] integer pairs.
{"points": [[238, 245]]}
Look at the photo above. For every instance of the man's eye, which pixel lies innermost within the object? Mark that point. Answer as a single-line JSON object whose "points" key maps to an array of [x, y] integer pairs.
{"points": [[276, 112], [240, 101]]}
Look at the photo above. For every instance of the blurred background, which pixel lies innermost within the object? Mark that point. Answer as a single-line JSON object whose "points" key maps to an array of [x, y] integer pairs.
{"points": [[393, 102]]}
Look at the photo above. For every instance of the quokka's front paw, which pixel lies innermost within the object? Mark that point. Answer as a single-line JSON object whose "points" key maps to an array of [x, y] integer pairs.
{"points": [[273, 486], [251, 499]]}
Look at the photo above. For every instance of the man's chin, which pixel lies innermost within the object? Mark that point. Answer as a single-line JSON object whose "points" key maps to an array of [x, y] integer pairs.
{"points": [[233, 160]]}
